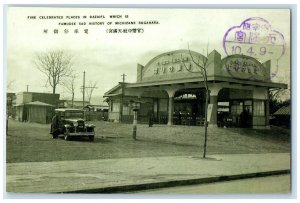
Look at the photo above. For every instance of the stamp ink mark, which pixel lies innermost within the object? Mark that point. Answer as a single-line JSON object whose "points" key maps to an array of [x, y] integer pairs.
{"points": [[255, 37]]}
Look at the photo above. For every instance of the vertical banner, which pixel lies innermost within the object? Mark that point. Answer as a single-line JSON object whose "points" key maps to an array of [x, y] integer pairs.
{"points": [[209, 111]]}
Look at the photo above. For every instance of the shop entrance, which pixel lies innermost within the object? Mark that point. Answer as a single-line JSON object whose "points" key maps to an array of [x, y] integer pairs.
{"points": [[234, 112], [189, 107]]}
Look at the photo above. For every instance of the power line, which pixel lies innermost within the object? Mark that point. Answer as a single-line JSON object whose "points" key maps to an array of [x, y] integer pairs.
{"points": [[83, 88]]}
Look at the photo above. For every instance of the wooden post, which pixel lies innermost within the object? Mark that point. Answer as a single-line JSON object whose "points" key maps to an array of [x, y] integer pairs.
{"points": [[134, 127]]}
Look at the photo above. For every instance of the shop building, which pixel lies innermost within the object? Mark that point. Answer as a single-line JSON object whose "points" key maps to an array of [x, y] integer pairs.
{"points": [[172, 87], [35, 106]]}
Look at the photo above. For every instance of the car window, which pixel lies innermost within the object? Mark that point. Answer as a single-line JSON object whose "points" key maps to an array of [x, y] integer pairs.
{"points": [[74, 114]]}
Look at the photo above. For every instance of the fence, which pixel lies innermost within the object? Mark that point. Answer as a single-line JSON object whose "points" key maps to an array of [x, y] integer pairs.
{"points": [[96, 115]]}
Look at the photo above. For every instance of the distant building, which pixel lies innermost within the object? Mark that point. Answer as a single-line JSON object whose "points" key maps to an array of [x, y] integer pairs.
{"points": [[10, 103], [96, 107], [282, 117], [75, 104], [96, 112], [35, 106]]}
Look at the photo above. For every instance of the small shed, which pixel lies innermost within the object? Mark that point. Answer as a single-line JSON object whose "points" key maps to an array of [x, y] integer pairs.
{"points": [[282, 116], [283, 111], [39, 112]]}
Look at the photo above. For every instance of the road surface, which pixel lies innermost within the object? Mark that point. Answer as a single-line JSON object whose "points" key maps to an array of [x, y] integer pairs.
{"points": [[264, 185]]}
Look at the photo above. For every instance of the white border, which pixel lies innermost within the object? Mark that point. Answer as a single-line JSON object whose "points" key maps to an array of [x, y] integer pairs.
{"points": [[164, 3]]}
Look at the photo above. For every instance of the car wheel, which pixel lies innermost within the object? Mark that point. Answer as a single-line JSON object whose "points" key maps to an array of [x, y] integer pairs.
{"points": [[91, 138]]}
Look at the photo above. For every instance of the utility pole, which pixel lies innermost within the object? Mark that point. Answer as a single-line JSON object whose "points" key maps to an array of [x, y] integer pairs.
{"points": [[122, 97], [83, 87], [83, 90], [123, 77]]}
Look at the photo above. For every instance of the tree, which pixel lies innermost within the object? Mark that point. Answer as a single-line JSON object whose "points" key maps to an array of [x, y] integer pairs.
{"points": [[201, 65], [70, 86], [56, 65], [278, 98], [90, 89]]}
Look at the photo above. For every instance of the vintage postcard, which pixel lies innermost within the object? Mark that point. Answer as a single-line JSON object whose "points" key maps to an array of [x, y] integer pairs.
{"points": [[147, 101]]}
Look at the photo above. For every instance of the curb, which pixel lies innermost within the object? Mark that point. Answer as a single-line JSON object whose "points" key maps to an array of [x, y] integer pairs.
{"points": [[174, 183]]}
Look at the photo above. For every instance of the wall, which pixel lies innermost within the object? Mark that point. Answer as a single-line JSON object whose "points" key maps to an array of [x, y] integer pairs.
{"points": [[37, 114], [26, 97], [46, 98], [96, 115], [260, 110], [240, 94], [113, 116], [23, 97]]}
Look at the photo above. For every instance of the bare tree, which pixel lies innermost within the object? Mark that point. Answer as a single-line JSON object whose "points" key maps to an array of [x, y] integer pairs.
{"points": [[279, 94], [278, 98], [55, 65], [201, 67], [69, 85], [90, 88]]}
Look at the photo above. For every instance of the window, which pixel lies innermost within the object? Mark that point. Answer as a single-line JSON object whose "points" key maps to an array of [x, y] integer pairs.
{"points": [[248, 106], [74, 114], [236, 108], [259, 108]]}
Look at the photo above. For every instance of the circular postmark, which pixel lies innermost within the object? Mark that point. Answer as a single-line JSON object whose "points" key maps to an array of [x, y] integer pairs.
{"points": [[255, 37]]}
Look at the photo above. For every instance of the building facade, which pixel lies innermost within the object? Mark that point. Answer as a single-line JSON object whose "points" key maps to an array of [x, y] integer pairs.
{"points": [[172, 87], [10, 103], [35, 106], [72, 104]]}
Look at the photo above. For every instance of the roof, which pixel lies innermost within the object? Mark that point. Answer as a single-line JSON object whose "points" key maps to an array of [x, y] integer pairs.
{"points": [[111, 95], [285, 110], [38, 103], [68, 109], [35, 103], [43, 93], [213, 79], [112, 90]]}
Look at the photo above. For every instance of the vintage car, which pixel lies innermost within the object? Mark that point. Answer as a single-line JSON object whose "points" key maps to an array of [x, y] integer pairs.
{"points": [[71, 123]]}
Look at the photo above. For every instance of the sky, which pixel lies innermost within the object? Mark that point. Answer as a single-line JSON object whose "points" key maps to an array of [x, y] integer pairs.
{"points": [[106, 56]]}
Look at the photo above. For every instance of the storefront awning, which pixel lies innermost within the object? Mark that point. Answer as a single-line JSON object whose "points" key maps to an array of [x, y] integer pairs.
{"points": [[212, 79]]}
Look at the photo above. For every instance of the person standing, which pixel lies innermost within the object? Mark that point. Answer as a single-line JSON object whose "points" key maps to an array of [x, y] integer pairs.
{"points": [[150, 117], [55, 130]]}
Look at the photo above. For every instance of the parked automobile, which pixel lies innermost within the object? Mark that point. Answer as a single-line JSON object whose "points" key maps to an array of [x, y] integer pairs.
{"points": [[71, 123]]}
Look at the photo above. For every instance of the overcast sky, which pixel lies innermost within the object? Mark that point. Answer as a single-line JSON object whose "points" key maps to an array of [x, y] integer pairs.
{"points": [[105, 56]]}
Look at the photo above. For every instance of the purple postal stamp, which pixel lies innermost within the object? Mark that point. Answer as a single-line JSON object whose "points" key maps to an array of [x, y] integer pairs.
{"points": [[255, 38]]}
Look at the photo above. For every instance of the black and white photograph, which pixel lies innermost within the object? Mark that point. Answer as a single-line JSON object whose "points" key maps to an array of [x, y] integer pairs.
{"points": [[148, 101]]}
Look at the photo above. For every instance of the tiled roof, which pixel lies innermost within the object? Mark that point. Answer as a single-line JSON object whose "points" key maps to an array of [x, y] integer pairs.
{"points": [[285, 110]]}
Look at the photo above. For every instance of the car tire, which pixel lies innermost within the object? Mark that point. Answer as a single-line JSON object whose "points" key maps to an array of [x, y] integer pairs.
{"points": [[91, 138]]}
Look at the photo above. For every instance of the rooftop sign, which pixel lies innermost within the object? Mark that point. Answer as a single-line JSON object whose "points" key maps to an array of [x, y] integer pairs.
{"points": [[172, 65], [245, 67]]}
